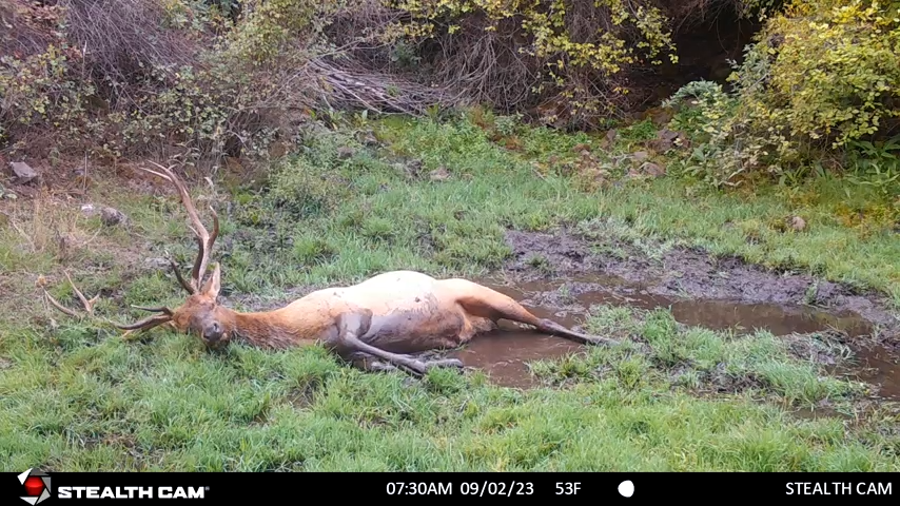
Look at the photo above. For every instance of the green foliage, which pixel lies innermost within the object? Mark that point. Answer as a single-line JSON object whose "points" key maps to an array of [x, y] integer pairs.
{"points": [[823, 76], [43, 91], [554, 32], [272, 24]]}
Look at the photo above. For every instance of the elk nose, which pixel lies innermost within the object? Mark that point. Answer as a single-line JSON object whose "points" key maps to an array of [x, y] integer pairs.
{"points": [[213, 332]]}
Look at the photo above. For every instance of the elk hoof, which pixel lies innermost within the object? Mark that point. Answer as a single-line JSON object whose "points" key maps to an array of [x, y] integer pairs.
{"points": [[417, 367], [599, 341], [381, 367], [450, 362]]}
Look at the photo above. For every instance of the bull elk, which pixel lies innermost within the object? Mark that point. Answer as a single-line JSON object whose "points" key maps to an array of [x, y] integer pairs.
{"points": [[376, 325]]}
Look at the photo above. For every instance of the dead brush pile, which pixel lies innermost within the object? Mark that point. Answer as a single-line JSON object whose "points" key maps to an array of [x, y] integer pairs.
{"points": [[178, 77], [74, 72], [571, 63], [191, 78]]}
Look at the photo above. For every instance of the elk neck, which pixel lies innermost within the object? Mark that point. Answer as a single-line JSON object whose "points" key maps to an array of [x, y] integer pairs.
{"points": [[279, 328]]}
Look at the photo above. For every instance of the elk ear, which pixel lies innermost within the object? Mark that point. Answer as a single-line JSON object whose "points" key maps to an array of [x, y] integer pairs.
{"points": [[211, 288]]}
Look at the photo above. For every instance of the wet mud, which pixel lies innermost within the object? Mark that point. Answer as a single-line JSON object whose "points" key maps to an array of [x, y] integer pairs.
{"points": [[699, 290], [689, 273]]}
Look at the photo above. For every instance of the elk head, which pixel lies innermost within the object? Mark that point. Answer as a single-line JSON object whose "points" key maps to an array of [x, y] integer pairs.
{"points": [[200, 314]]}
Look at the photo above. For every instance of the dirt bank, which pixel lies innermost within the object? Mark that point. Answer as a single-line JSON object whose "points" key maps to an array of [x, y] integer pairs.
{"points": [[586, 264]]}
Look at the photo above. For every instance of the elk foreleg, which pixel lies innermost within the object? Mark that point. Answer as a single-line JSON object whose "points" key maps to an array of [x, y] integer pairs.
{"points": [[354, 324]]}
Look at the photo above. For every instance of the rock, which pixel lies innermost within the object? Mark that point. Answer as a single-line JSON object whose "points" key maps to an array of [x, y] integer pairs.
{"points": [[23, 172], [640, 156], [345, 152], [157, 263], [112, 217], [440, 174], [652, 169], [108, 215]]}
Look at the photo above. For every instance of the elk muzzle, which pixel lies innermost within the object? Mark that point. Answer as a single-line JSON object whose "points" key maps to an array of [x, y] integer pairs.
{"points": [[214, 335]]}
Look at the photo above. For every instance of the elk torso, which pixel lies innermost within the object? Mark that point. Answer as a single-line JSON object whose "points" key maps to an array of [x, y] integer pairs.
{"points": [[410, 312]]}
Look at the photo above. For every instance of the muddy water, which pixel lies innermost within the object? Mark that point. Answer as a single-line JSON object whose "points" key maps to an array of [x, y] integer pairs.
{"points": [[504, 354], [879, 367]]}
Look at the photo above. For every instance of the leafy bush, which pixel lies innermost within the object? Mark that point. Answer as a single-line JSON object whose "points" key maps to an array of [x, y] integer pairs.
{"points": [[562, 55], [824, 76]]}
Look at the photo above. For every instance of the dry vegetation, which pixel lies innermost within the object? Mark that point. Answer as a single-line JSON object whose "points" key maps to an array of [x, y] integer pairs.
{"points": [[205, 80]]}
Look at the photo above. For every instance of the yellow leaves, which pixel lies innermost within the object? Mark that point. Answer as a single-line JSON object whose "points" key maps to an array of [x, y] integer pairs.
{"points": [[547, 24]]}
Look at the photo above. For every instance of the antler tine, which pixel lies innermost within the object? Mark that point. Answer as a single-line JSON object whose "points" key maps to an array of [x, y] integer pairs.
{"points": [[59, 306], [204, 239], [162, 309], [184, 284], [88, 304], [147, 324], [89, 307], [200, 265]]}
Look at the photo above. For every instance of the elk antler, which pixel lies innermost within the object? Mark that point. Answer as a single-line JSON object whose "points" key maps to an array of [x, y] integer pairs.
{"points": [[146, 324], [88, 304], [205, 240]]}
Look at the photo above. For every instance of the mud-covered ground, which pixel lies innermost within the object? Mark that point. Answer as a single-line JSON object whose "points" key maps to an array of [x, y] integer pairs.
{"points": [[589, 265], [562, 274]]}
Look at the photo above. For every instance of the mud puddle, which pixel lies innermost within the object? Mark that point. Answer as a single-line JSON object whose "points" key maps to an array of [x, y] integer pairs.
{"points": [[504, 354]]}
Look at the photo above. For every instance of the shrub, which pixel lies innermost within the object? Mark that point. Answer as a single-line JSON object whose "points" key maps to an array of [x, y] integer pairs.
{"points": [[561, 56], [824, 76], [158, 76]]}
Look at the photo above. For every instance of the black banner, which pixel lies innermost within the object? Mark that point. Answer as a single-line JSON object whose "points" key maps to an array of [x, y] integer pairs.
{"points": [[34, 487]]}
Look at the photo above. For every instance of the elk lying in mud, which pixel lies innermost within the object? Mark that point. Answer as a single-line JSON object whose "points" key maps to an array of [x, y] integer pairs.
{"points": [[376, 325]]}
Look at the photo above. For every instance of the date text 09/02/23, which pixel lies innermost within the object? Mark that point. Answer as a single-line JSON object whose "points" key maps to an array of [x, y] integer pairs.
{"points": [[484, 488]]}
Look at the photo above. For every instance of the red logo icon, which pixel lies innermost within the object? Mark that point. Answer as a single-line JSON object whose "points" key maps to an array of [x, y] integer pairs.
{"points": [[37, 486]]}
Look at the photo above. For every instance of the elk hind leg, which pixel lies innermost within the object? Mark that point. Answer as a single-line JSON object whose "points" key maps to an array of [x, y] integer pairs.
{"points": [[352, 325], [369, 363], [481, 301]]}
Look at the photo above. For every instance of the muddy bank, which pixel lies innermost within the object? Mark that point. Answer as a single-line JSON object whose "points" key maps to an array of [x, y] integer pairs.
{"points": [[505, 354], [560, 276], [689, 274]]}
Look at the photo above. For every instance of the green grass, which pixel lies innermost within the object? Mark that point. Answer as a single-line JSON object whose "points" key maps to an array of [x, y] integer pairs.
{"points": [[89, 404], [75, 396]]}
